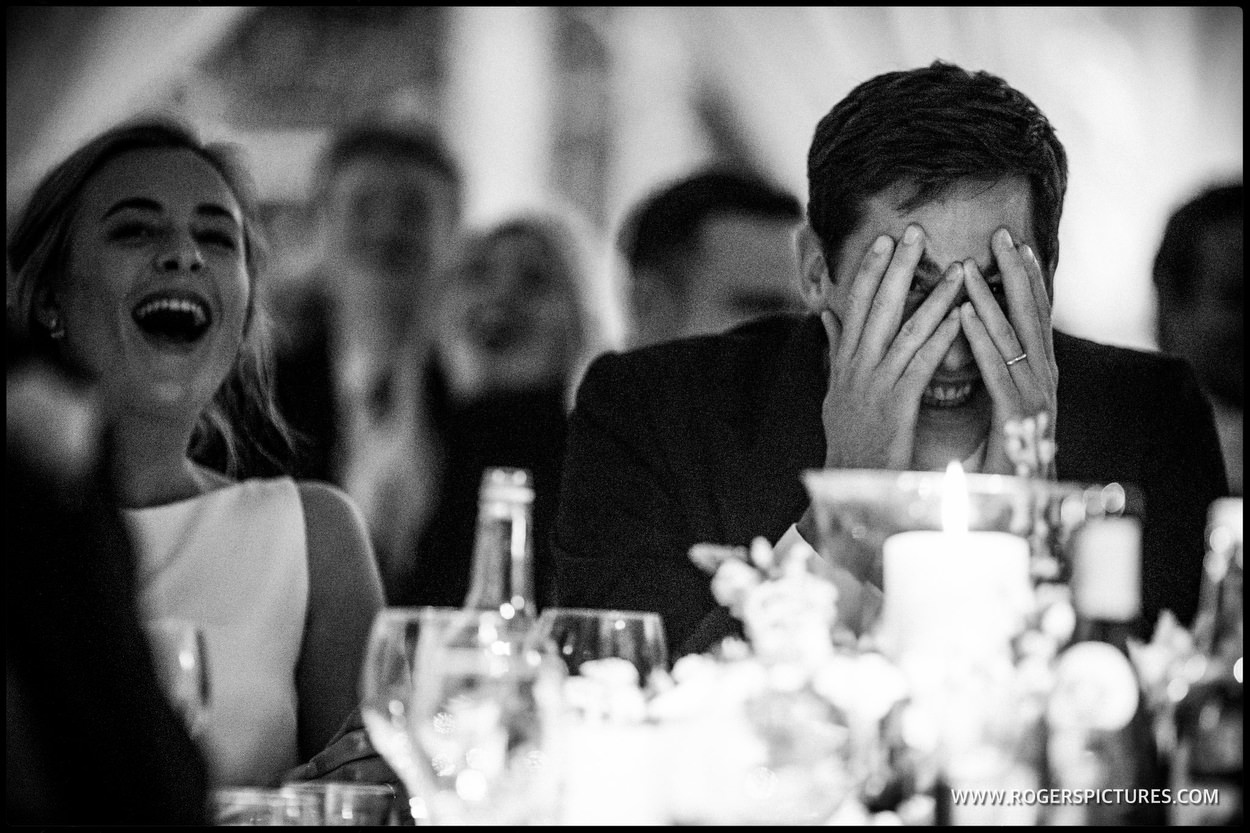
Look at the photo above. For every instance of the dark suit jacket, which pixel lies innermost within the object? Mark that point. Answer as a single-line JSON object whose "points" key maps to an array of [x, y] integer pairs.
{"points": [[703, 440]]}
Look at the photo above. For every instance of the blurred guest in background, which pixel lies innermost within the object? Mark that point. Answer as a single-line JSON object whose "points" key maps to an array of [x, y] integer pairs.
{"points": [[387, 203], [387, 209], [927, 268], [708, 252], [516, 326], [89, 735], [1199, 273], [136, 263]]}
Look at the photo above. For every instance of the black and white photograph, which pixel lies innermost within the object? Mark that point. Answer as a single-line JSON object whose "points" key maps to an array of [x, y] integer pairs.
{"points": [[624, 415]]}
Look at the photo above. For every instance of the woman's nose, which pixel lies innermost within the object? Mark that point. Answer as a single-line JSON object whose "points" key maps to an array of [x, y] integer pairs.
{"points": [[182, 254]]}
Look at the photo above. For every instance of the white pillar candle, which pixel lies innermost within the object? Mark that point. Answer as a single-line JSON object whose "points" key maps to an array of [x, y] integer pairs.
{"points": [[951, 590]]}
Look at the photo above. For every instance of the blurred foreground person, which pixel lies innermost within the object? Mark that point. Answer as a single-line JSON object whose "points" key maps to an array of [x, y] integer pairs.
{"points": [[136, 264], [708, 252], [516, 327], [927, 267], [1199, 273], [89, 735]]}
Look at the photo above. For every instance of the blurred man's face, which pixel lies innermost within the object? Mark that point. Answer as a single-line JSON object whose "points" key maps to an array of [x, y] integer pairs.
{"points": [[742, 268], [397, 219], [1208, 329]]}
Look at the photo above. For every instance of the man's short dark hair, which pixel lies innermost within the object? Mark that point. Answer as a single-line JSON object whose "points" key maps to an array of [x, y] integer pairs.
{"points": [[416, 144], [1178, 262], [664, 228], [934, 126]]}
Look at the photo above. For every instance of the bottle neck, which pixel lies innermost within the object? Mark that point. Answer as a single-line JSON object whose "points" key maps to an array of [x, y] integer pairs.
{"points": [[502, 572], [1218, 627]]}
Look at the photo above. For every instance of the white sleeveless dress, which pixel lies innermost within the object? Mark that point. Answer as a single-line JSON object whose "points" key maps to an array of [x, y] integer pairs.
{"points": [[235, 561]]}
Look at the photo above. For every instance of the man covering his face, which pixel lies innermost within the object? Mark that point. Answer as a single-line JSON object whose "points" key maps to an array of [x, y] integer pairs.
{"points": [[927, 268]]}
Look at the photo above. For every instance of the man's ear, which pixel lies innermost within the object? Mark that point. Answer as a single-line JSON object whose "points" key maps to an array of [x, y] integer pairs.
{"points": [[814, 279]]}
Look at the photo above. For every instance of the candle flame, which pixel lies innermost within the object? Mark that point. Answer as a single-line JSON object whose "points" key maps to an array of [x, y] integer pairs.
{"points": [[955, 499]]}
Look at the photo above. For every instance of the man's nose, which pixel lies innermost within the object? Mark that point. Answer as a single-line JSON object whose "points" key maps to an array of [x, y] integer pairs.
{"points": [[959, 356]]}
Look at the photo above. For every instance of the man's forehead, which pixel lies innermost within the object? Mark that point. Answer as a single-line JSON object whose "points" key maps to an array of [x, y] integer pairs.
{"points": [[963, 214]]}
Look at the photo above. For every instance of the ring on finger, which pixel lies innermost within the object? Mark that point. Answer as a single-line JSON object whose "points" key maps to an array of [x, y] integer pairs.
{"points": [[1017, 359]]}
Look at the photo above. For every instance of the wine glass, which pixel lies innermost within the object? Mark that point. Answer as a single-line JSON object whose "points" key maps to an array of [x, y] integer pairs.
{"points": [[580, 635], [613, 774], [386, 683], [484, 709], [181, 659]]}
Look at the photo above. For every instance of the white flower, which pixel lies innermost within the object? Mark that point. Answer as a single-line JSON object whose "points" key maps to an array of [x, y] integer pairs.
{"points": [[732, 583], [762, 555], [607, 690], [791, 618], [865, 686], [709, 557]]}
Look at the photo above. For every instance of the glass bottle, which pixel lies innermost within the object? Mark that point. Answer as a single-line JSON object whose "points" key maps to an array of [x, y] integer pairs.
{"points": [[502, 576], [1101, 736], [1210, 718]]}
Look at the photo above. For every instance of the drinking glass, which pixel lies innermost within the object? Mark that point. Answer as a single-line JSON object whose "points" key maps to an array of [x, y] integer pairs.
{"points": [[482, 718], [344, 804], [264, 807], [181, 659], [580, 635], [386, 683], [612, 773]]}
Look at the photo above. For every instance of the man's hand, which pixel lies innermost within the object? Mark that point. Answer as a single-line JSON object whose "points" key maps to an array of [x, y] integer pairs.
{"points": [[1028, 385], [877, 370]]}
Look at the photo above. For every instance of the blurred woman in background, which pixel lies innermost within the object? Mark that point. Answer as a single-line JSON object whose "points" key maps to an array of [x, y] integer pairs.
{"points": [[516, 326], [136, 262]]}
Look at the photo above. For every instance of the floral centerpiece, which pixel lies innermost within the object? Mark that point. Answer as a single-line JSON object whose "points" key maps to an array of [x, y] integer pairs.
{"points": [[784, 727]]}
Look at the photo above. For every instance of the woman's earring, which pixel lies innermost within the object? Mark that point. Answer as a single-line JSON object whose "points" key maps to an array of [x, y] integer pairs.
{"points": [[56, 328]]}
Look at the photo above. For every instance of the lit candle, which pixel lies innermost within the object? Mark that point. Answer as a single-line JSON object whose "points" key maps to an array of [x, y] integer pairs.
{"points": [[953, 589]]}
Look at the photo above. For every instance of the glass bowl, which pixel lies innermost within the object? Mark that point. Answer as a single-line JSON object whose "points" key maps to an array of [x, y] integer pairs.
{"points": [[855, 510]]}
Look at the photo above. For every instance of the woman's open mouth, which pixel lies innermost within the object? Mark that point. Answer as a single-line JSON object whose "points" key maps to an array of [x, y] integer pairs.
{"points": [[173, 318]]}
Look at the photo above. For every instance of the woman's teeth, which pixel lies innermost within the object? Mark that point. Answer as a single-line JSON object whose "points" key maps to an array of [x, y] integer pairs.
{"points": [[199, 316], [178, 320], [947, 396]]}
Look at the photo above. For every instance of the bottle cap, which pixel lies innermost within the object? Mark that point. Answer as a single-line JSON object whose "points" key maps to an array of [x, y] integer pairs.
{"points": [[509, 485], [1106, 569]]}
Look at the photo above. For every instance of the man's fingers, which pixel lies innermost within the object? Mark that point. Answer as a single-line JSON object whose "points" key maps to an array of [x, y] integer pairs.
{"points": [[994, 372], [917, 329], [993, 321], [831, 332], [863, 289], [1021, 299], [1037, 281], [924, 363], [886, 311]]}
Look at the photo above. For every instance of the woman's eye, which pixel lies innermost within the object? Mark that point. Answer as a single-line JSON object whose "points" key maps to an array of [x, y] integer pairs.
{"points": [[131, 232], [219, 238]]}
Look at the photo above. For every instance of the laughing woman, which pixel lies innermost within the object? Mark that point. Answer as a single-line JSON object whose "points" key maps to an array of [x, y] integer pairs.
{"points": [[135, 262]]}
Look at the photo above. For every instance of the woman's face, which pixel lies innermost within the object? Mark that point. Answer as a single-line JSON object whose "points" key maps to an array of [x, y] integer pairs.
{"points": [[517, 312], [155, 296]]}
